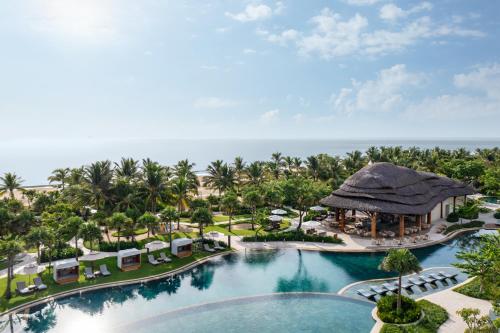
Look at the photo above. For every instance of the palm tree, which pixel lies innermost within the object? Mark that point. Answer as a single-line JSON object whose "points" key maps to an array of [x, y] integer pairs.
{"points": [[182, 187], [71, 228], [118, 221], [127, 169], [10, 249], [202, 217], [97, 178], [239, 172], [313, 167], [76, 176], [354, 161], [230, 204], [59, 175], [149, 221], [221, 177], [30, 196], [36, 238], [91, 232], [11, 182], [154, 180], [403, 262], [255, 173], [169, 214]]}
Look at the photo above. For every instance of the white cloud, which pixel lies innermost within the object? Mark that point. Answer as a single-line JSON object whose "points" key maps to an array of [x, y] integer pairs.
{"points": [[280, 7], [209, 67], [222, 30], [249, 51], [484, 79], [332, 36], [252, 12], [391, 12], [362, 2], [384, 94], [270, 116], [213, 103], [298, 118]]}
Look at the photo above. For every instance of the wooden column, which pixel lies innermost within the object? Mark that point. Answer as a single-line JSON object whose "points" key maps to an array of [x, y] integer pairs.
{"points": [[465, 199], [454, 203], [374, 225], [429, 220], [401, 226], [337, 214], [419, 222], [342, 220], [353, 213], [441, 215]]}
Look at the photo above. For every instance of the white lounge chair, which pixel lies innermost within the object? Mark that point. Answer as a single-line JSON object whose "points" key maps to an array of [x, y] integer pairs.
{"points": [[417, 281], [437, 277], [104, 270], [208, 248], [152, 260], [366, 293], [379, 290], [448, 275], [390, 287], [164, 258], [405, 284], [22, 289], [427, 279], [88, 273], [217, 246], [39, 284]]}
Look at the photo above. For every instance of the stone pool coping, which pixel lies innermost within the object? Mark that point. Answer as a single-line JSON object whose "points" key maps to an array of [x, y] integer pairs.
{"points": [[80, 290]]}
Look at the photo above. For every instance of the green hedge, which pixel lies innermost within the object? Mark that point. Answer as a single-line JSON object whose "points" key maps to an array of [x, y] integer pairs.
{"points": [[452, 217], [113, 246], [387, 305], [471, 224], [292, 236], [472, 289], [434, 317], [64, 252]]}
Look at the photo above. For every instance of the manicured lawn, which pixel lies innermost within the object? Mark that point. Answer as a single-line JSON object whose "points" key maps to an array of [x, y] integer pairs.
{"points": [[435, 316], [472, 289], [116, 275], [140, 231]]}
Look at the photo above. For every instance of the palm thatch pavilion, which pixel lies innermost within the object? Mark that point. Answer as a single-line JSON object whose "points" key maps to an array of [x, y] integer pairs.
{"points": [[386, 189]]}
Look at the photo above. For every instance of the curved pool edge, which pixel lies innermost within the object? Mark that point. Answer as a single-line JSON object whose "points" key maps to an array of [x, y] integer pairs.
{"points": [[80, 290]]}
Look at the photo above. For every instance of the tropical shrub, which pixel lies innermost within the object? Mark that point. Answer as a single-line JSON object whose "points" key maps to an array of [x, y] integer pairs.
{"points": [[434, 317], [387, 310], [452, 217], [291, 236], [64, 252], [484, 210], [113, 246], [471, 224], [469, 211]]}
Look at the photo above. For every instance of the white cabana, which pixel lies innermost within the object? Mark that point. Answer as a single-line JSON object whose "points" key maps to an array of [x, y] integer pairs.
{"points": [[66, 271], [311, 225], [317, 208], [275, 218], [128, 260], [156, 245], [182, 247], [279, 212]]}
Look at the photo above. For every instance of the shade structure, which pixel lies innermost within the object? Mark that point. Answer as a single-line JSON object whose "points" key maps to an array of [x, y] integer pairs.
{"points": [[32, 269], [275, 218], [279, 212], [311, 225], [317, 208], [156, 245], [385, 187]]}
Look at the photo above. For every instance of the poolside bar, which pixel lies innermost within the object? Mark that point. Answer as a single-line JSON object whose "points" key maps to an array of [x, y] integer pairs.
{"points": [[182, 247], [390, 194], [129, 260], [66, 271]]}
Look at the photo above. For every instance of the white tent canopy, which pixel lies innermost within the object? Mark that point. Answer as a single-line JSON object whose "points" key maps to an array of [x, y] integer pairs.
{"points": [[275, 218], [317, 208], [156, 245], [279, 212], [311, 225]]}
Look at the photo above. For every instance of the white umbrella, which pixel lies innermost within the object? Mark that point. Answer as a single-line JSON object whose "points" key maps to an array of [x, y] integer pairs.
{"points": [[32, 269], [155, 245], [311, 225], [275, 218], [317, 208], [279, 212]]}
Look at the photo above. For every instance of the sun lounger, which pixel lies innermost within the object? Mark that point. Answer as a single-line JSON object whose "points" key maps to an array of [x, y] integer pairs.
{"points": [[88, 273], [164, 258], [437, 277], [39, 284], [104, 270], [366, 293], [390, 287], [208, 248], [417, 281], [427, 279], [217, 246], [379, 290], [22, 289], [152, 260], [448, 275], [405, 284]]}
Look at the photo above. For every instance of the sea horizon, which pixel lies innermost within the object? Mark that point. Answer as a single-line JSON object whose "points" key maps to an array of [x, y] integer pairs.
{"points": [[34, 160]]}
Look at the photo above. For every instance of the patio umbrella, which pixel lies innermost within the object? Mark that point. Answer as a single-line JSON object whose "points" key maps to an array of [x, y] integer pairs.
{"points": [[279, 212], [311, 224], [155, 245], [32, 269], [317, 208], [275, 218]]}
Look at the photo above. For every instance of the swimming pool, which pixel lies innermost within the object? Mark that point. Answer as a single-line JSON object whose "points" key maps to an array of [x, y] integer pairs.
{"points": [[236, 275], [493, 200]]}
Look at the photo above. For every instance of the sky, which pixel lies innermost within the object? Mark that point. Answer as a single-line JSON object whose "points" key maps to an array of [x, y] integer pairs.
{"points": [[79, 69]]}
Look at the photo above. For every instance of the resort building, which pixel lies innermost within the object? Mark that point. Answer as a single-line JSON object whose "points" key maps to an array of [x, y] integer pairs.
{"points": [[129, 260], [387, 194], [182, 247], [66, 271]]}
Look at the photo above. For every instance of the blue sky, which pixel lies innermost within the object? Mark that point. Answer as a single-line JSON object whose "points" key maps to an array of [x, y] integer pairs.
{"points": [[251, 69]]}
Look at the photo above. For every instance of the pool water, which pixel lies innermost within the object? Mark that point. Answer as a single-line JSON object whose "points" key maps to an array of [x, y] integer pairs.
{"points": [[492, 200], [235, 275]]}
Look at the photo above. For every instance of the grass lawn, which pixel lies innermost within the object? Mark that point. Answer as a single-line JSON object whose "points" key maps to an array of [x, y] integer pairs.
{"points": [[137, 232], [435, 316], [472, 289], [116, 275]]}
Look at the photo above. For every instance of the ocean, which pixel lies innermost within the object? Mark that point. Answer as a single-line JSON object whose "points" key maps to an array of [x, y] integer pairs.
{"points": [[34, 160]]}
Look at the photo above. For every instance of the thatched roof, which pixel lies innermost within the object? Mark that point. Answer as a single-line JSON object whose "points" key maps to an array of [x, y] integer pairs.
{"points": [[387, 188]]}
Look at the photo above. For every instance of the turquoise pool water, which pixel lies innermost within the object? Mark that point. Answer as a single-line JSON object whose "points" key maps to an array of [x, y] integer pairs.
{"points": [[493, 200], [234, 275]]}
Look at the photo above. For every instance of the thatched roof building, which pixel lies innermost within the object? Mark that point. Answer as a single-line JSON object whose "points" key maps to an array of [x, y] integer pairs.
{"points": [[387, 188]]}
